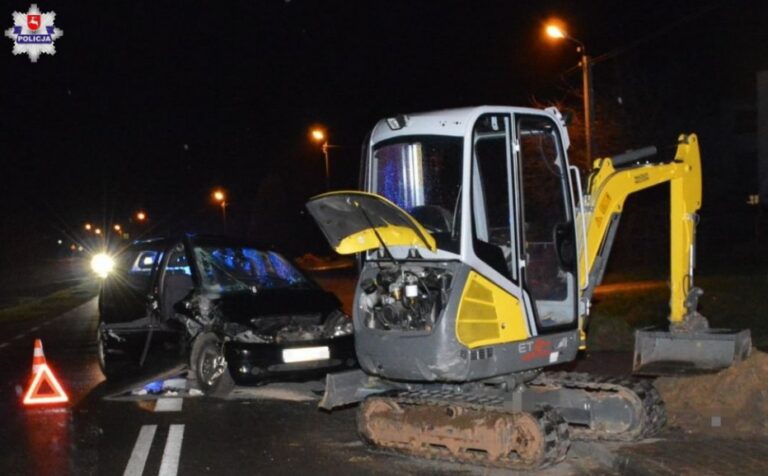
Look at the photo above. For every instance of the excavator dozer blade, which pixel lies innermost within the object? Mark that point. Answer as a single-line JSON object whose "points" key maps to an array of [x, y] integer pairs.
{"points": [[661, 352]]}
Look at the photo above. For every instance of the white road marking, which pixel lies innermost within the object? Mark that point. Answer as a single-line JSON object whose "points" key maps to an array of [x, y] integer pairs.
{"points": [[34, 329], [170, 464], [168, 404], [140, 451], [3, 344], [20, 336]]}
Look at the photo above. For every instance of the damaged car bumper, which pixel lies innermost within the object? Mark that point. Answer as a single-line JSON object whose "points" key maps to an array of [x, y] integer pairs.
{"points": [[254, 363]]}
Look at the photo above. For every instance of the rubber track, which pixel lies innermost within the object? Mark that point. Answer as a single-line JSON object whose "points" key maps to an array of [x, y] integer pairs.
{"points": [[555, 428], [653, 412]]}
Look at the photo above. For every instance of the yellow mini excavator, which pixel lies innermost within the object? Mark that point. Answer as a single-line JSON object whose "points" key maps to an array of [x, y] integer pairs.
{"points": [[479, 257]]}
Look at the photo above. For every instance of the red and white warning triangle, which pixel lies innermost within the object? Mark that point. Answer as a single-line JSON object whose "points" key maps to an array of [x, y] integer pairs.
{"points": [[45, 388]]}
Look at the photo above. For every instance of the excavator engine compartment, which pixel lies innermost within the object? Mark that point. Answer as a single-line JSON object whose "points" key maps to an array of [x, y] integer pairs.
{"points": [[404, 298]]}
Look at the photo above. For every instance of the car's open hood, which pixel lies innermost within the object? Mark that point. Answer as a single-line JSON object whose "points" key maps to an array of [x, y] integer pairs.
{"points": [[348, 220]]}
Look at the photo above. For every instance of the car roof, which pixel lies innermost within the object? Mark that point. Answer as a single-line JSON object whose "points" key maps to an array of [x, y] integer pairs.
{"points": [[199, 239]]}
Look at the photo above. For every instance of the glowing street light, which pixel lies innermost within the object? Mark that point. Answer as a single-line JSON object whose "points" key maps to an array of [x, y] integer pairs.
{"points": [[117, 228], [97, 231], [141, 216], [88, 226], [318, 135], [220, 197], [556, 30]]}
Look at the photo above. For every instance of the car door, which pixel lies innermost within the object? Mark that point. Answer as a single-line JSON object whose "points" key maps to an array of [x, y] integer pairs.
{"points": [[128, 302]]}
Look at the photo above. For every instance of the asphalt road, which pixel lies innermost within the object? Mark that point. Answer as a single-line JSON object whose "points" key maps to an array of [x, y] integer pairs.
{"points": [[268, 430]]}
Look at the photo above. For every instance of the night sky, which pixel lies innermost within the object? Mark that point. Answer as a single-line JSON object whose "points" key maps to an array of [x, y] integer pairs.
{"points": [[151, 106]]}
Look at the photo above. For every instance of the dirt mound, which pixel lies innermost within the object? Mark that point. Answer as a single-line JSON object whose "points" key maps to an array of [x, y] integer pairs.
{"points": [[732, 402]]}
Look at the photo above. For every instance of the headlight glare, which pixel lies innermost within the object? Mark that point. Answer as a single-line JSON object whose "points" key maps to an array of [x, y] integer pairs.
{"points": [[102, 264]]}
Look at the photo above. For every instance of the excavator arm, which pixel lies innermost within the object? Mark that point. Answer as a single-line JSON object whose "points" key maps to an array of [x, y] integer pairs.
{"points": [[688, 345], [613, 180]]}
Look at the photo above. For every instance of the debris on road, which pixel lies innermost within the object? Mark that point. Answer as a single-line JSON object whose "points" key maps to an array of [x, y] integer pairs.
{"points": [[732, 402], [172, 383]]}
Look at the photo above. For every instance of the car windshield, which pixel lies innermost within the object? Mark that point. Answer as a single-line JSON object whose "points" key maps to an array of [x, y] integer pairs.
{"points": [[231, 269], [422, 175]]}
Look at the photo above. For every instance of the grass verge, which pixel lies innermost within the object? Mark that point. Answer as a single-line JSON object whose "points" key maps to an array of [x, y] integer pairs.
{"points": [[729, 301], [53, 304]]}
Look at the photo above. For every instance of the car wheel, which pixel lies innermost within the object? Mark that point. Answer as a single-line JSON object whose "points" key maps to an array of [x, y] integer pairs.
{"points": [[109, 365], [210, 366]]}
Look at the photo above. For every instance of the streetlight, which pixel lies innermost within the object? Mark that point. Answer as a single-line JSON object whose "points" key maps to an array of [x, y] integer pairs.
{"points": [[220, 197], [117, 228], [88, 226], [141, 216], [556, 31], [318, 134]]}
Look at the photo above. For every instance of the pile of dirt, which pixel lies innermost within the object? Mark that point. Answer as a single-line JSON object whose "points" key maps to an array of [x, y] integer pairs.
{"points": [[732, 402]]}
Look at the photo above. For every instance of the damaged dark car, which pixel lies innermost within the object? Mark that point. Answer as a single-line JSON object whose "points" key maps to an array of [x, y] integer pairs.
{"points": [[239, 313]]}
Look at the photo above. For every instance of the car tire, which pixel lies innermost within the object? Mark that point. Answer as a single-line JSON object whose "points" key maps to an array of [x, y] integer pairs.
{"points": [[210, 367], [111, 367]]}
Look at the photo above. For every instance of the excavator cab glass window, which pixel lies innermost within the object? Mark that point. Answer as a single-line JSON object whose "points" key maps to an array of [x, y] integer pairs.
{"points": [[491, 194], [549, 241], [422, 175]]}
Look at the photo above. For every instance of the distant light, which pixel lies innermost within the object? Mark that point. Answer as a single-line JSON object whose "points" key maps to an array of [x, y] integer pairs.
{"points": [[554, 31], [88, 226], [148, 261], [59, 241], [97, 231], [79, 248], [141, 216], [102, 264], [218, 195], [72, 247], [117, 227]]}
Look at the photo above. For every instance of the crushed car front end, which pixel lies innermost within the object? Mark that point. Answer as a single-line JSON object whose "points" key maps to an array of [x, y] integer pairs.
{"points": [[273, 322]]}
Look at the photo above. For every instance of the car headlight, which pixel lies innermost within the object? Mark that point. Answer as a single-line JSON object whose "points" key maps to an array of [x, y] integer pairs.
{"points": [[340, 325], [102, 264]]}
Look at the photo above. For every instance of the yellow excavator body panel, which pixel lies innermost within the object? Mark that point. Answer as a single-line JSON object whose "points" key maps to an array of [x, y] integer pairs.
{"points": [[488, 315]]}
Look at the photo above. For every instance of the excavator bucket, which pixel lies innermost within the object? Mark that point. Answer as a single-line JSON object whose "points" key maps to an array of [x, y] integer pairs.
{"points": [[662, 352]]}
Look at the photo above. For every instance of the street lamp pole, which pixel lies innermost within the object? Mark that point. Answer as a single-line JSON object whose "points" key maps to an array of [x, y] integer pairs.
{"points": [[220, 196], [327, 167], [586, 83], [319, 135], [556, 32]]}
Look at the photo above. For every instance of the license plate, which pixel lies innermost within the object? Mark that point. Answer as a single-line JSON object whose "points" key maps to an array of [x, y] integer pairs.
{"points": [[305, 354]]}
